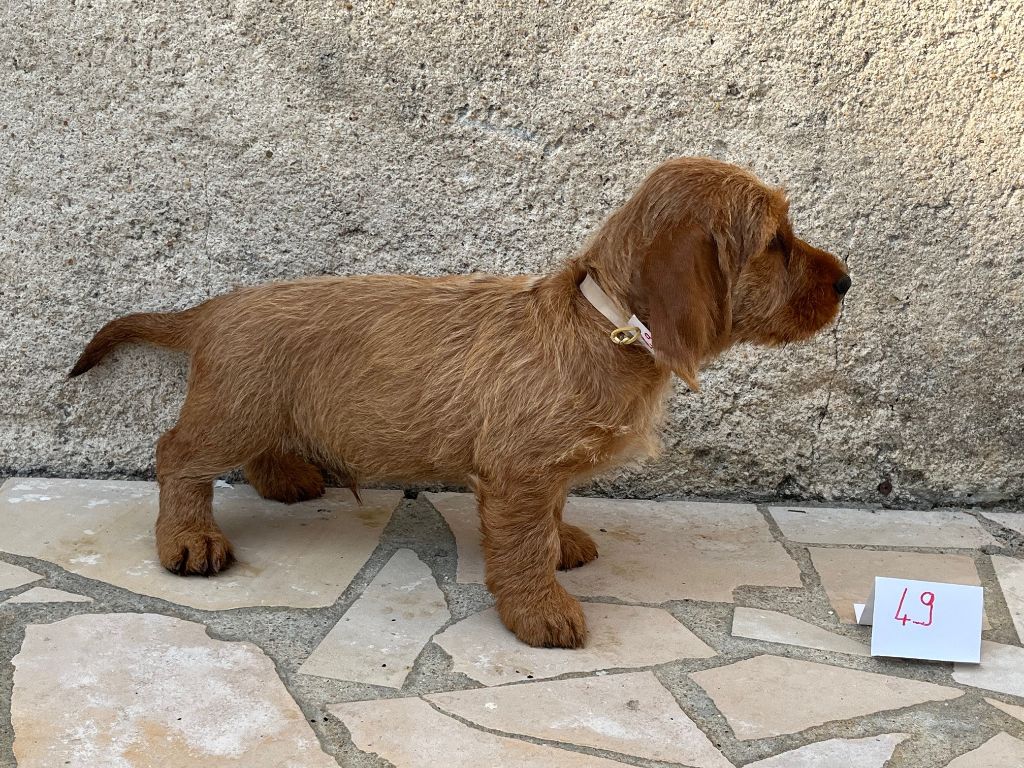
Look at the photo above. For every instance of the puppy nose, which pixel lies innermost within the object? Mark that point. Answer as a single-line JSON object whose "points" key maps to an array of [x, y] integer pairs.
{"points": [[842, 285]]}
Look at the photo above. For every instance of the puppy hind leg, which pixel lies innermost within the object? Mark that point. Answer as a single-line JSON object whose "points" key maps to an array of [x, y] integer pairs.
{"points": [[285, 477], [188, 539], [521, 549]]}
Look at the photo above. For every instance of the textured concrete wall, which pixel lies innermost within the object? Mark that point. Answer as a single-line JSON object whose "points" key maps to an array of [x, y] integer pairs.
{"points": [[156, 152]]}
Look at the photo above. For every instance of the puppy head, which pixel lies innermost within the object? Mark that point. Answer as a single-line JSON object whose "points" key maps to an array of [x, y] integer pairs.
{"points": [[709, 258], [788, 291]]}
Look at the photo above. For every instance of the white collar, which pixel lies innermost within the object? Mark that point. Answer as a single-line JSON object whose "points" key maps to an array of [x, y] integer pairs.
{"points": [[627, 330]]}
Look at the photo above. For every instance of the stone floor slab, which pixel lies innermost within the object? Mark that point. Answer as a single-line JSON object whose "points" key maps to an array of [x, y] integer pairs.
{"points": [[1001, 751], [12, 576], [409, 733], [1012, 520], [848, 575], [46, 595], [775, 627], [651, 552], [1010, 572], [1011, 709], [149, 691], [630, 713], [302, 555], [870, 752], [621, 636], [881, 527], [380, 636], [1001, 669], [770, 696]]}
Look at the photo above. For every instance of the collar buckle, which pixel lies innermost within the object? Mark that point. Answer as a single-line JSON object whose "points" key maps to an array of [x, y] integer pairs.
{"points": [[627, 334]]}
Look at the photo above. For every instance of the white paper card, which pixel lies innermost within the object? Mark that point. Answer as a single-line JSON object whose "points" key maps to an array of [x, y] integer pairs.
{"points": [[924, 620], [865, 612]]}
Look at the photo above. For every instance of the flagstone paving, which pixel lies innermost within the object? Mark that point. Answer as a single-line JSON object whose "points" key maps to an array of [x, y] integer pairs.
{"points": [[775, 627], [409, 732], [1001, 751], [620, 636], [12, 576], [46, 595], [870, 752], [769, 696], [650, 551], [1012, 520], [847, 575], [1011, 709], [380, 636], [1001, 669], [104, 530], [1010, 572], [881, 527], [630, 713], [161, 692], [361, 635]]}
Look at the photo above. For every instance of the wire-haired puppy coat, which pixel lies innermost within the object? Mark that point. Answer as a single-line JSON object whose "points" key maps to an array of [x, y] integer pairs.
{"points": [[514, 385]]}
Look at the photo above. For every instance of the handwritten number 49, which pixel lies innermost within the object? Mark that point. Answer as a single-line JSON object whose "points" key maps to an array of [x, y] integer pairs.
{"points": [[926, 598]]}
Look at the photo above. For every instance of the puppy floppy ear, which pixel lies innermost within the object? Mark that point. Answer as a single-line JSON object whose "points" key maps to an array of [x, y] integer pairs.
{"points": [[686, 289]]}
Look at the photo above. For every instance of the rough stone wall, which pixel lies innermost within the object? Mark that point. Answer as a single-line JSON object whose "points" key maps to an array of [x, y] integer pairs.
{"points": [[154, 153]]}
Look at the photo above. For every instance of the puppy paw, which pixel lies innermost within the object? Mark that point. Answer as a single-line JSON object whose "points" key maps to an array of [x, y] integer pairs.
{"points": [[289, 481], [555, 621], [577, 547], [297, 488], [201, 552]]}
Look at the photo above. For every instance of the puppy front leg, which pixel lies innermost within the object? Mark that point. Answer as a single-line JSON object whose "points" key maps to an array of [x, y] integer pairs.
{"points": [[521, 550]]}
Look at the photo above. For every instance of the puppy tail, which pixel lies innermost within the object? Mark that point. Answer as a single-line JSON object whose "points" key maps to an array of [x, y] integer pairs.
{"points": [[165, 329]]}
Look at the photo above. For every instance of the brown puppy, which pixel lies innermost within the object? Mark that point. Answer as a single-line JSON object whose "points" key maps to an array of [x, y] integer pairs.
{"points": [[511, 384]]}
